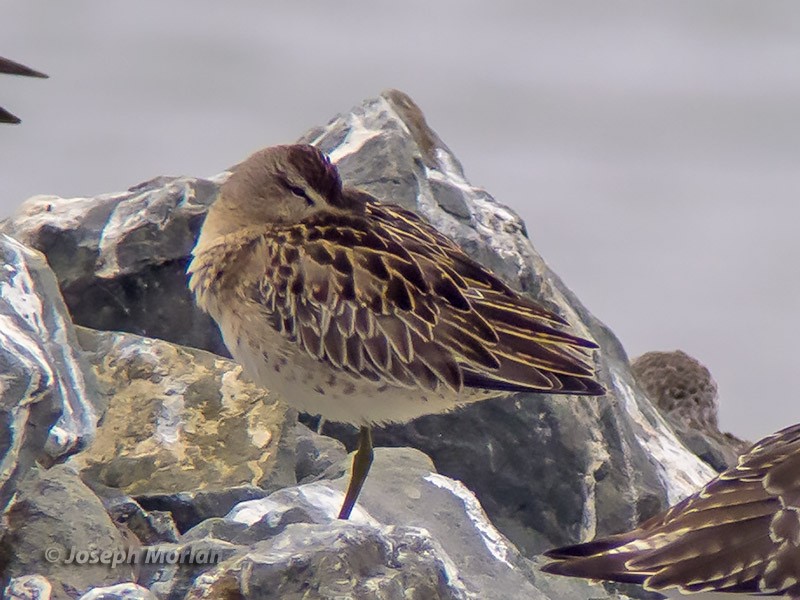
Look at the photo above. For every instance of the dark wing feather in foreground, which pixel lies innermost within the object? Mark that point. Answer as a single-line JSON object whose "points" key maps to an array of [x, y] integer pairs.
{"points": [[13, 68], [7, 117], [740, 533], [381, 294]]}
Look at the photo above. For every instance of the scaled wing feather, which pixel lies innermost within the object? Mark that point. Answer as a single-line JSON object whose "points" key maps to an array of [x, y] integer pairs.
{"points": [[383, 293], [740, 533]]}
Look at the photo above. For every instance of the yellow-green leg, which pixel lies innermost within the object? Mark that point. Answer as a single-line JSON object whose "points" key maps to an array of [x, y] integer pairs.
{"points": [[362, 460]]}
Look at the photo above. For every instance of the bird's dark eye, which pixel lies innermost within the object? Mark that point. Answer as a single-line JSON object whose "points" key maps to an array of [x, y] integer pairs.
{"points": [[301, 193]]}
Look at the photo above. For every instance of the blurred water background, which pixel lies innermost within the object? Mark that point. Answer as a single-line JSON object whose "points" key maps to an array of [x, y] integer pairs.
{"points": [[653, 149]]}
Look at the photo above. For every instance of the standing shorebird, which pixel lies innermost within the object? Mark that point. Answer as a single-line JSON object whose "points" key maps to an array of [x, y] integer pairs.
{"points": [[739, 535], [361, 311], [12, 68]]}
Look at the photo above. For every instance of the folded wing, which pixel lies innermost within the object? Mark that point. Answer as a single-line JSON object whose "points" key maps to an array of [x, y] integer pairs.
{"points": [[383, 295], [740, 533]]}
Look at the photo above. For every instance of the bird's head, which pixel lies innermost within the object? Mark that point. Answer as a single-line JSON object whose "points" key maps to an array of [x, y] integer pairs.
{"points": [[276, 185]]}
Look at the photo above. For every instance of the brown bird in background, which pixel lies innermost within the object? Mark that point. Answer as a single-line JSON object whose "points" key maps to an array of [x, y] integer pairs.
{"points": [[739, 535], [361, 311], [12, 68]]}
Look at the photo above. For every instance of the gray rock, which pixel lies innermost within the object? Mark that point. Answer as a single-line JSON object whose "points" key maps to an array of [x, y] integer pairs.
{"points": [[170, 570], [183, 431], [48, 404], [123, 591], [187, 509], [121, 258], [328, 562], [315, 453], [149, 527], [414, 532], [548, 470], [29, 587], [54, 516], [686, 393]]}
